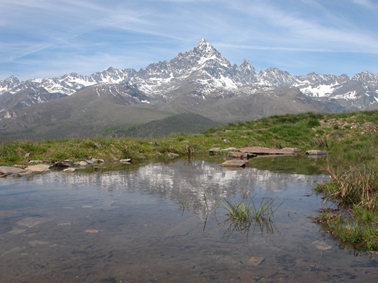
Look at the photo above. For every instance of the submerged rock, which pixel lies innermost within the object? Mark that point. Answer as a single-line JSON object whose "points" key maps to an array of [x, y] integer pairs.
{"points": [[321, 245], [255, 261], [92, 231], [33, 221]]}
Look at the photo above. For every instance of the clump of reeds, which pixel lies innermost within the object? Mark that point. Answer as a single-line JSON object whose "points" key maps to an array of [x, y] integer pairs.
{"points": [[244, 215], [246, 210], [356, 190], [356, 186], [355, 231]]}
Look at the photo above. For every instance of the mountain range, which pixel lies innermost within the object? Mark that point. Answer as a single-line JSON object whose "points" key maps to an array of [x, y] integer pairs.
{"points": [[199, 81]]}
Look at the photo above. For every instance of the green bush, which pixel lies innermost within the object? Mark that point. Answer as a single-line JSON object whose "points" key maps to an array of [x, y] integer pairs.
{"points": [[313, 123]]}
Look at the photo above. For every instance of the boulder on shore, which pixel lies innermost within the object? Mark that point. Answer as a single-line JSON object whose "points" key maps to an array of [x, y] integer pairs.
{"points": [[214, 150], [38, 168], [62, 164], [80, 163], [7, 171], [292, 150], [125, 161], [173, 155], [95, 161]]}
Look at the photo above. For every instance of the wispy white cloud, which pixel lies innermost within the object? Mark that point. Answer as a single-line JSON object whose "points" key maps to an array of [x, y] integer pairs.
{"points": [[292, 30], [70, 30], [365, 3]]}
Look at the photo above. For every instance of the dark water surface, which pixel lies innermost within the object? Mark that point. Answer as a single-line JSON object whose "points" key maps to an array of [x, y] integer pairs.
{"points": [[153, 225]]}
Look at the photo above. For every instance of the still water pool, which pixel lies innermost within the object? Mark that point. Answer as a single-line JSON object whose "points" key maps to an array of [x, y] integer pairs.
{"points": [[155, 225]]}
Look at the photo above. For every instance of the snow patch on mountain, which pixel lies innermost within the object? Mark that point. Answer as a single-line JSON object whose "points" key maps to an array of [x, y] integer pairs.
{"points": [[350, 95], [319, 91]]}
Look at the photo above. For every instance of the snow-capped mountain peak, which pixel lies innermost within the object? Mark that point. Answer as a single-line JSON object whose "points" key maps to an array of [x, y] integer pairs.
{"points": [[205, 47], [8, 84], [204, 72], [364, 76], [247, 66]]}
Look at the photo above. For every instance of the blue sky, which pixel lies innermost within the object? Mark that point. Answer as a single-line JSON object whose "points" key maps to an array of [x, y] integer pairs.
{"points": [[49, 38]]}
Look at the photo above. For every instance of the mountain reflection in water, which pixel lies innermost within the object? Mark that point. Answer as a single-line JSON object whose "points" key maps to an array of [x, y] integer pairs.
{"points": [[187, 182], [163, 223]]}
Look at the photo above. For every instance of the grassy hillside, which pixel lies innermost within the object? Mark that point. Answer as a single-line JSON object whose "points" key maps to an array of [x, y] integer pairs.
{"points": [[348, 136], [180, 123]]}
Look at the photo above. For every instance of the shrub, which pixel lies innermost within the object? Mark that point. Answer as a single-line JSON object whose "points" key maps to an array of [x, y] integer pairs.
{"points": [[313, 123]]}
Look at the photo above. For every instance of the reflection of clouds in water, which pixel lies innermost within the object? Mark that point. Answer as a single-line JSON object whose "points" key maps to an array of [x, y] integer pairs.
{"points": [[185, 182]]}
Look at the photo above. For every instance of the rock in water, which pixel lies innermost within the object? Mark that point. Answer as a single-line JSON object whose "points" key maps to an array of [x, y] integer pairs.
{"points": [[255, 261], [234, 163], [316, 152]]}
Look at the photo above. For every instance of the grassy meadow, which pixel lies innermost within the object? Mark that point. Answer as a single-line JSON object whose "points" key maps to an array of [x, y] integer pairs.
{"points": [[350, 138]]}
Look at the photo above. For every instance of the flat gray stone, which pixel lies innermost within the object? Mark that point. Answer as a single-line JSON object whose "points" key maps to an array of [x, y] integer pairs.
{"points": [[95, 161], [35, 161], [173, 155], [38, 168], [270, 151], [292, 150], [230, 149], [81, 163], [7, 170], [233, 163]]}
